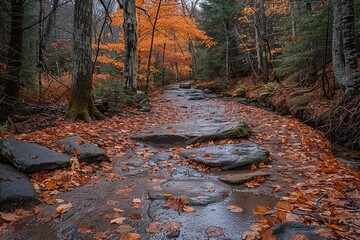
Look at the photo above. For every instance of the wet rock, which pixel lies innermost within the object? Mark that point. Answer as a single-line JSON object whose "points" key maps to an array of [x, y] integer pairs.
{"points": [[193, 132], [242, 176], [185, 85], [88, 152], [185, 172], [210, 191], [290, 230], [15, 186], [196, 98], [228, 156], [30, 157], [145, 106]]}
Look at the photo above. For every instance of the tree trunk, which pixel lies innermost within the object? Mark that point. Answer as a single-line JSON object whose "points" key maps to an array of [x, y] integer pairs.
{"points": [[344, 50], [265, 71], [81, 103], [338, 60], [351, 63], [257, 43], [12, 85], [151, 47], [226, 52], [130, 40]]}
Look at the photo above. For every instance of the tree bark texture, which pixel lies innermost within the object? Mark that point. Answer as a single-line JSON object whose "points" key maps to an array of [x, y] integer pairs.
{"points": [[81, 103], [351, 63], [12, 84], [344, 54], [130, 40]]}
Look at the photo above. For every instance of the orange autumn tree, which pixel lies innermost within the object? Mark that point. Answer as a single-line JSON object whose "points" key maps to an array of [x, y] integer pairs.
{"points": [[173, 31]]}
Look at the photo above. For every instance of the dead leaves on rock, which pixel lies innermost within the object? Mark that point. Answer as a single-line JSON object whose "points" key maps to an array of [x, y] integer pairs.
{"points": [[178, 204]]}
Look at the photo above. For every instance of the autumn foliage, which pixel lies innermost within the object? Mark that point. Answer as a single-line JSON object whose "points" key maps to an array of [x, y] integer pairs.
{"points": [[174, 29]]}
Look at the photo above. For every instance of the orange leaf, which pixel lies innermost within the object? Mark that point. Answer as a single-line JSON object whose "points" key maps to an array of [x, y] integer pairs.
{"points": [[84, 230], [234, 208], [131, 236], [260, 210]]}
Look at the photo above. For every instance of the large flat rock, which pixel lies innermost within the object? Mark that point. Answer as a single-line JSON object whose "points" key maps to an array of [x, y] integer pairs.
{"points": [[228, 156], [242, 176], [15, 186], [31, 157], [88, 152], [189, 132], [198, 192]]}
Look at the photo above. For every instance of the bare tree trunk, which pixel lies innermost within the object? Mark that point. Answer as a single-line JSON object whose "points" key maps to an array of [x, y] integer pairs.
{"points": [[351, 63], [344, 50], [130, 40], [257, 44], [50, 24], [265, 71], [163, 65], [226, 52], [151, 47], [12, 85], [292, 12], [81, 103]]}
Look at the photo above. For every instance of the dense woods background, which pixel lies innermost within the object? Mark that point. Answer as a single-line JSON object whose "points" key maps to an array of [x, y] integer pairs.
{"points": [[301, 56]]}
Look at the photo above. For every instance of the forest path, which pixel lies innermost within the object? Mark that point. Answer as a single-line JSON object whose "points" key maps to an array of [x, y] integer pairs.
{"points": [[131, 192]]}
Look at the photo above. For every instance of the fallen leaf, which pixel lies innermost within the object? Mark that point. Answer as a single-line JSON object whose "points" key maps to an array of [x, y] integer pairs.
{"points": [[284, 206], [298, 237], [234, 208], [118, 210], [171, 226], [9, 217], [131, 236], [63, 208], [154, 227], [253, 167], [260, 210], [134, 217], [250, 235], [102, 235], [111, 202], [276, 187], [188, 209], [214, 232], [136, 200], [124, 229], [118, 220], [84, 230], [111, 176]]}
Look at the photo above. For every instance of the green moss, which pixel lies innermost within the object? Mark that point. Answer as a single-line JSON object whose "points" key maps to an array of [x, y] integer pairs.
{"points": [[242, 130]]}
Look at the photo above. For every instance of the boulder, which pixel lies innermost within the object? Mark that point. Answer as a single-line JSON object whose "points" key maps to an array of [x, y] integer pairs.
{"points": [[228, 156], [210, 190], [145, 106], [88, 152], [242, 176], [185, 85], [15, 185], [189, 132], [31, 157], [290, 230]]}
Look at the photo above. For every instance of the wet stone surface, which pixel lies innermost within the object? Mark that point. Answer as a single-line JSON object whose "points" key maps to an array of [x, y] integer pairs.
{"points": [[228, 156], [15, 186], [88, 152], [242, 176], [198, 192], [30, 157]]}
